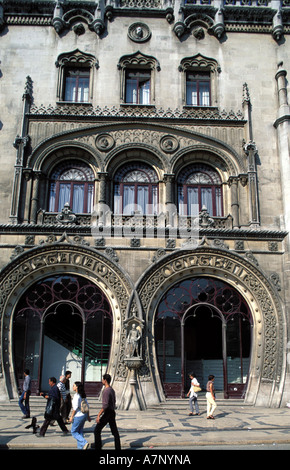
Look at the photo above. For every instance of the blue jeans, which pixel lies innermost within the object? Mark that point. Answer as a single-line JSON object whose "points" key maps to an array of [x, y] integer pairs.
{"points": [[24, 407], [193, 401], [77, 430]]}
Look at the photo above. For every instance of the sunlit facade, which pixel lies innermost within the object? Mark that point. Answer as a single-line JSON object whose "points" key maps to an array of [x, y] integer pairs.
{"points": [[144, 197]]}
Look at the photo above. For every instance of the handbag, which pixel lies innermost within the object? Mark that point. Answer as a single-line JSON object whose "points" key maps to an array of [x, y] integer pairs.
{"points": [[84, 406], [196, 388], [51, 409]]}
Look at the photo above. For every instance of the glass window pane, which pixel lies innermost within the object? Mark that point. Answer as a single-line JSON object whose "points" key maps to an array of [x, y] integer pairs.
{"points": [[129, 199], [131, 91], [192, 201], [206, 199], [191, 93], [64, 195], [90, 202], [117, 200], [204, 98], [70, 89], [143, 198], [77, 85], [52, 195], [218, 203], [78, 198], [145, 93], [83, 91]]}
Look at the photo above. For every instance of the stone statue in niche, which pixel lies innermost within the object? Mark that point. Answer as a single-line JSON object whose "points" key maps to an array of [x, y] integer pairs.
{"points": [[133, 342]]}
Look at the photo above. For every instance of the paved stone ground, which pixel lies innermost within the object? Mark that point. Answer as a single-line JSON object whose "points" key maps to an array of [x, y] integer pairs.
{"points": [[167, 426]]}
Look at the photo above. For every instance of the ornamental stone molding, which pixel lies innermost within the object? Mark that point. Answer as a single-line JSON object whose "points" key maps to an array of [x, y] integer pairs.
{"points": [[139, 32], [69, 258], [268, 354], [197, 16]]}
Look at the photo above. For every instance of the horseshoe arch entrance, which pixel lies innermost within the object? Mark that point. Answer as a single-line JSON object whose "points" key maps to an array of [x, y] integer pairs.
{"points": [[203, 325]]}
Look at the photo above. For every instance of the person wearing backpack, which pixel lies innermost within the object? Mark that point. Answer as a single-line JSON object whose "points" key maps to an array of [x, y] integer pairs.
{"points": [[80, 415]]}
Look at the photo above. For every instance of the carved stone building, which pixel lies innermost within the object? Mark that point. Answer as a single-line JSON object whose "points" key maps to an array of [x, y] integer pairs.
{"points": [[144, 196]]}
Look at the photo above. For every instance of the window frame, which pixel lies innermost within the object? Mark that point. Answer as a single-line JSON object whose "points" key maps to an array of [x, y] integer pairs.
{"points": [[182, 191], [137, 62], [197, 79], [78, 78], [122, 173], [57, 182], [75, 60], [138, 87], [200, 64]]}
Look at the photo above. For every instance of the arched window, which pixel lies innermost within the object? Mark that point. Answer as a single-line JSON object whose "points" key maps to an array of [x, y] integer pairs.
{"points": [[73, 183], [199, 185], [135, 189]]}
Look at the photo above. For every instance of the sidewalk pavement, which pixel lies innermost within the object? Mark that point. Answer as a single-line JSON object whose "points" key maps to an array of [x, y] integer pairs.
{"points": [[166, 426]]}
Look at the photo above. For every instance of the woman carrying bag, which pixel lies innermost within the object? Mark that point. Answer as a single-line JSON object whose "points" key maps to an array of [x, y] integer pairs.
{"points": [[195, 387], [80, 415]]}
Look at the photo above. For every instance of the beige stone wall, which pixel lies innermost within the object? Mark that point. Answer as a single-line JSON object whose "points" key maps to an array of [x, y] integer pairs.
{"points": [[250, 58]]}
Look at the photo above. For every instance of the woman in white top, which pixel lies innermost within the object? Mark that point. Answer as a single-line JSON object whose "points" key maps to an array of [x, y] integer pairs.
{"points": [[193, 395], [78, 418]]}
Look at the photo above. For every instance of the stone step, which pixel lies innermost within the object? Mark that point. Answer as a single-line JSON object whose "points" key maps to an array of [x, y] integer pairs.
{"points": [[37, 404]]}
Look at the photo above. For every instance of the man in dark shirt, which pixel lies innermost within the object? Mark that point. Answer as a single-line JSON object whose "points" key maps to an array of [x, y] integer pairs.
{"points": [[107, 415], [25, 395], [53, 398]]}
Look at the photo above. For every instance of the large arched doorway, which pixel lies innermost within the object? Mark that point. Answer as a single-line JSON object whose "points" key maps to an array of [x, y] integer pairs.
{"points": [[203, 325], [63, 322]]}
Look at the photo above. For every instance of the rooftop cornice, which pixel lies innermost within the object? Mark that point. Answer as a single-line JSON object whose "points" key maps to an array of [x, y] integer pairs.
{"points": [[187, 16]]}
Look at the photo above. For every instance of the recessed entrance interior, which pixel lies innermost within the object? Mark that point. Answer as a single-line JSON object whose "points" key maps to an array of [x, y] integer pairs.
{"points": [[203, 325], [63, 323]]}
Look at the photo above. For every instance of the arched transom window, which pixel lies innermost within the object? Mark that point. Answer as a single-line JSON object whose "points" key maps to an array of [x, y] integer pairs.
{"points": [[199, 185], [73, 183], [135, 189]]}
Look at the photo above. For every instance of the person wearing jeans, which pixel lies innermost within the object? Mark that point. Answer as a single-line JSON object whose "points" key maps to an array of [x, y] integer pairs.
{"points": [[78, 417], [25, 395]]}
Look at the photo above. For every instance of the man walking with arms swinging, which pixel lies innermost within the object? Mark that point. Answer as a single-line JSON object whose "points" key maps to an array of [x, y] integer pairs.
{"points": [[107, 415]]}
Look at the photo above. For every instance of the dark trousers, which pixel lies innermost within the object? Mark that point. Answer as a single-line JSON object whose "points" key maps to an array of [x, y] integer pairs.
{"points": [[25, 408], [46, 422], [66, 407], [109, 417]]}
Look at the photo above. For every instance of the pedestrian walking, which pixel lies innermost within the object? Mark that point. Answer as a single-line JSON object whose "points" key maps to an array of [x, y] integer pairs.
{"points": [[63, 394], [210, 397], [107, 415], [192, 394], [52, 410], [80, 415], [24, 397], [67, 404]]}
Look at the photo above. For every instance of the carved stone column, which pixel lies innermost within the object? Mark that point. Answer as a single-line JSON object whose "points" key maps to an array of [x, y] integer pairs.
{"points": [[282, 124], [35, 196], [254, 216], [233, 184], [168, 181], [20, 144], [102, 179]]}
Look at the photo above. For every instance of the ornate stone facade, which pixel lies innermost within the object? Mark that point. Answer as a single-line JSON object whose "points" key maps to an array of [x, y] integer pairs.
{"points": [[233, 146]]}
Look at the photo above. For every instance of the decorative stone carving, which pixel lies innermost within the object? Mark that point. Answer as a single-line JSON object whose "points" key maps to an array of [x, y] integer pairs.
{"points": [[169, 144], [133, 342], [104, 142], [260, 294], [66, 216], [139, 32]]}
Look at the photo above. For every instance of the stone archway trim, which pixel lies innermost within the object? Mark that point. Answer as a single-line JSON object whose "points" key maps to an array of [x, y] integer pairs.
{"points": [[269, 333], [67, 258]]}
